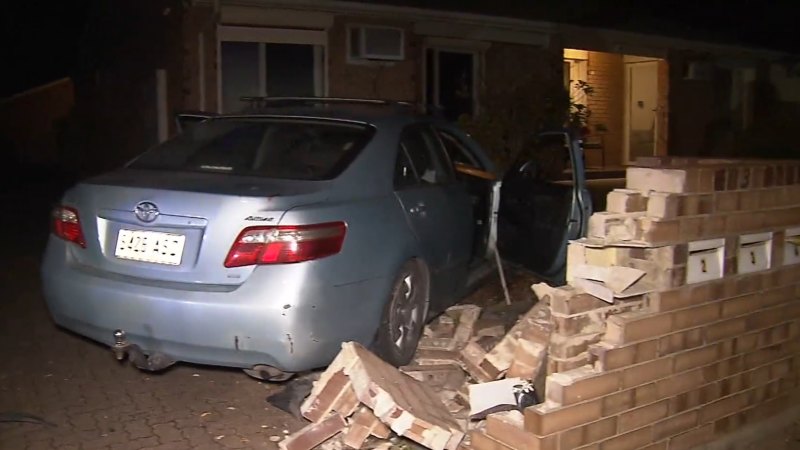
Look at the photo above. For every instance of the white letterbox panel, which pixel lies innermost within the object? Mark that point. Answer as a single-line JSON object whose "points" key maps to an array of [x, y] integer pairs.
{"points": [[755, 252], [791, 248], [706, 260]]}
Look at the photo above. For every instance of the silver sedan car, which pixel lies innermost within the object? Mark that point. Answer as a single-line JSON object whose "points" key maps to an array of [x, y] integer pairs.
{"points": [[264, 240]]}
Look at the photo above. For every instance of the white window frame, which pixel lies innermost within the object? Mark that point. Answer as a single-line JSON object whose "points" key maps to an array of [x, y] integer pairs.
{"points": [[317, 38], [474, 48]]}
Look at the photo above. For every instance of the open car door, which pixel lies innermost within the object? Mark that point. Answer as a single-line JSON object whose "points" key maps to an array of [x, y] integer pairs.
{"points": [[544, 203]]}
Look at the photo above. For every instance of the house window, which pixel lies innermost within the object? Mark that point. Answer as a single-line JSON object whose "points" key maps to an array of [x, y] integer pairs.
{"points": [[451, 81], [269, 62]]}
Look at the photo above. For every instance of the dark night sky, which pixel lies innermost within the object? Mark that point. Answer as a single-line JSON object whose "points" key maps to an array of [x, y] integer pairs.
{"points": [[44, 37]]}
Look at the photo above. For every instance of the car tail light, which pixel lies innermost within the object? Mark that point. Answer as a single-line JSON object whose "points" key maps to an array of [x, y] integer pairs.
{"points": [[67, 225], [286, 244]]}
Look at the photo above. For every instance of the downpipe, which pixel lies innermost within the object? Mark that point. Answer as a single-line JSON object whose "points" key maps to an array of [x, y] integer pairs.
{"points": [[123, 349]]}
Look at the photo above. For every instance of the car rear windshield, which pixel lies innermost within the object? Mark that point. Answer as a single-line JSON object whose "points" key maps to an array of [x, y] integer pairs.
{"points": [[273, 148]]}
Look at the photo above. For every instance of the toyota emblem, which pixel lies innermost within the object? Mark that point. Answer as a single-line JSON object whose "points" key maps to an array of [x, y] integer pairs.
{"points": [[146, 211]]}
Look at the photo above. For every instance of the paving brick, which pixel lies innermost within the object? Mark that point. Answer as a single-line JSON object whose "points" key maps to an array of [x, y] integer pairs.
{"points": [[645, 415]]}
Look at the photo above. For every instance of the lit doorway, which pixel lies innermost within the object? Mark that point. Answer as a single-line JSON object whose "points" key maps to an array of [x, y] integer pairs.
{"points": [[642, 108]]}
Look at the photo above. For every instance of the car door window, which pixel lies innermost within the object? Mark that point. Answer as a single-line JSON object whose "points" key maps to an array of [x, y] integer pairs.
{"points": [[457, 151], [426, 155]]}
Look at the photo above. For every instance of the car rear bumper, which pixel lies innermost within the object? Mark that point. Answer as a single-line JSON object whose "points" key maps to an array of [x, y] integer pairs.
{"points": [[281, 316]]}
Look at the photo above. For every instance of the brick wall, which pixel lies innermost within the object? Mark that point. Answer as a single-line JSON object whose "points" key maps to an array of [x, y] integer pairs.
{"points": [[399, 80], [691, 360], [199, 19], [606, 74]]}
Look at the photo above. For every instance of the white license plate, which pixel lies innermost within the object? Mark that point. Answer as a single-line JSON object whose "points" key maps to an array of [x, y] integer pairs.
{"points": [[150, 246]]}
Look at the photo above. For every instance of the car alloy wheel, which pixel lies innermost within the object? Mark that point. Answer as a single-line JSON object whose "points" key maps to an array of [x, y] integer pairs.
{"points": [[404, 316]]}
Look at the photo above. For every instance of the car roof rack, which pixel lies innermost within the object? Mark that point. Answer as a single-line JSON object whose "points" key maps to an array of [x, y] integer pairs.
{"points": [[265, 102]]}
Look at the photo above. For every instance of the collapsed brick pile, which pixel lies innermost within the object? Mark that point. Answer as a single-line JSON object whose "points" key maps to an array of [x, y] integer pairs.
{"points": [[679, 325], [714, 343]]}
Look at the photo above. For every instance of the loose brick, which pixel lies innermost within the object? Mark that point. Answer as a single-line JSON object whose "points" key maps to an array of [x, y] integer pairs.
{"points": [[675, 425], [663, 205], [646, 372], [695, 358], [481, 441], [542, 420], [613, 227], [696, 316], [636, 326], [723, 407], [658, 231], [639, 417], [633, 440], [314, 433], [576, 304], [692, 438], [625, 201], [661, 180]]}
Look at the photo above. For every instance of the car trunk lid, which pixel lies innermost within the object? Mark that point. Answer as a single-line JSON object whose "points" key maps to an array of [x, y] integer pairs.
{"points": [[178, 227]]}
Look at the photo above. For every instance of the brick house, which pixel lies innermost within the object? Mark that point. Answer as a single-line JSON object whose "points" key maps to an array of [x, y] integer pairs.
{"points": [[651, 95]]}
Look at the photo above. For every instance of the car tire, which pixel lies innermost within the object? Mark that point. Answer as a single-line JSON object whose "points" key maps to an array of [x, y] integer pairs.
{"points": [[403, 315]]}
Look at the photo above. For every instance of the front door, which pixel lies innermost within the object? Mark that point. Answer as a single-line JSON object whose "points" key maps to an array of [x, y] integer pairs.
{"points": [[642, 109]]}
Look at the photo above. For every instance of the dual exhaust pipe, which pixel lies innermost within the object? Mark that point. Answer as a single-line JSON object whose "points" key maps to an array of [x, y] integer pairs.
{"points": [[123, 349]]}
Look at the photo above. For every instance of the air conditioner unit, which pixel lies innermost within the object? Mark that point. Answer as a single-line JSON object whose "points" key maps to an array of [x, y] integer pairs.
{"points": [[376, 43]]}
